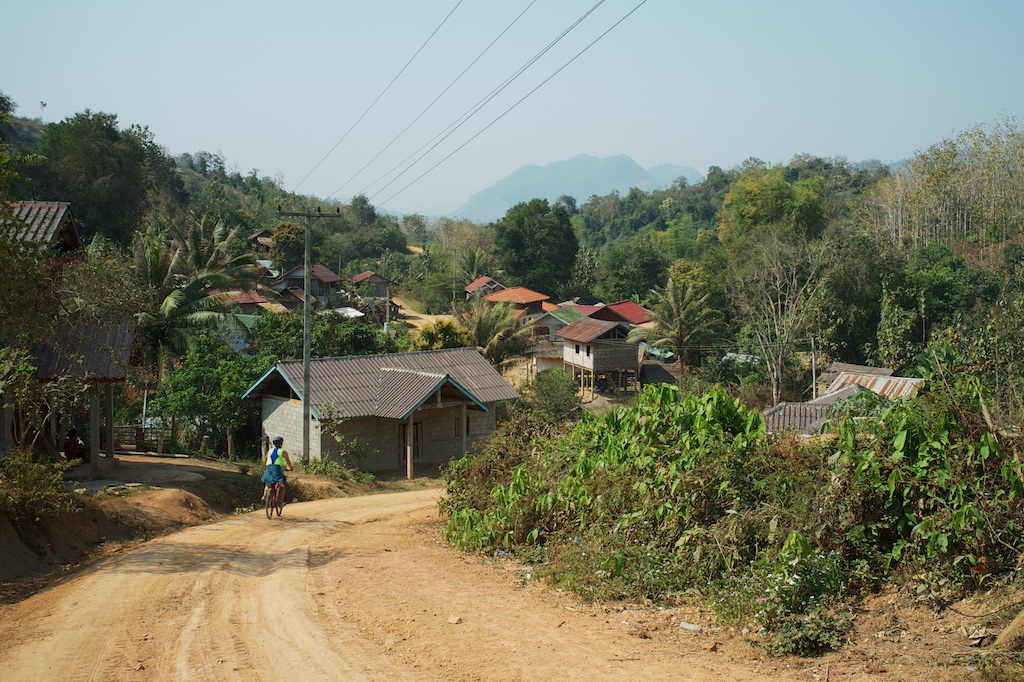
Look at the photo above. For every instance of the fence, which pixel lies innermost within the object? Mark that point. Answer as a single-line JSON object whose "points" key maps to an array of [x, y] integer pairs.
{"points": [[141, 438]]}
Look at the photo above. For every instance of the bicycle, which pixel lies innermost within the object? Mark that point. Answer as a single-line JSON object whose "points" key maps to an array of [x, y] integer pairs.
{"points": [[273, 499]]}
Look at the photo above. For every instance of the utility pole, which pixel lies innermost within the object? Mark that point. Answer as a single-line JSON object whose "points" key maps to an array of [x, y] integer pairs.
{"points": [[306, 327]]}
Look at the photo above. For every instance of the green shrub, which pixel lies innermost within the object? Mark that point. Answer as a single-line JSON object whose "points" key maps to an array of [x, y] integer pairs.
{"points": [[30, 490]]}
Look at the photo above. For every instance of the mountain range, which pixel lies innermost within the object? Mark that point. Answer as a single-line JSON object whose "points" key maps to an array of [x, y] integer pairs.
{"points": [[579, 177]]}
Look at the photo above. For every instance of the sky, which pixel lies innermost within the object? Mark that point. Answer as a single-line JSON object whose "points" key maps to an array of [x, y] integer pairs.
{"points": [[334, 98]]}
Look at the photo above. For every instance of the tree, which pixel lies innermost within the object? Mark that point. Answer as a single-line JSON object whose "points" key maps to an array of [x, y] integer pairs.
{"points": [[496, 332], [554, 395], [778, 286], [106, 173], [289, 247], [280, 337], [207, 384], [629, 268], [442, 334], [763, 197], [681, 316], [535, 246]]}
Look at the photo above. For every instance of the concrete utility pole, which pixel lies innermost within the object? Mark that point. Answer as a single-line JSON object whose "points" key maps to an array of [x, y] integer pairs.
{"points": [[306, 327]]}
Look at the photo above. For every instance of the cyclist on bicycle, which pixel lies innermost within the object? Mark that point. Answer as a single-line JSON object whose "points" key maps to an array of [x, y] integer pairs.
{"points": [[277, 457]]}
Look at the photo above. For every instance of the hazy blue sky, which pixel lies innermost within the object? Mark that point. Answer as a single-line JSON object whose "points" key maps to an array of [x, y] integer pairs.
{"points": [[274, 86]]}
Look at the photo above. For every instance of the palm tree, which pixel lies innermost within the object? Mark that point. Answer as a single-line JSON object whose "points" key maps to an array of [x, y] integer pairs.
{"points": [[680, 316], [496, 332], [180, 276]]}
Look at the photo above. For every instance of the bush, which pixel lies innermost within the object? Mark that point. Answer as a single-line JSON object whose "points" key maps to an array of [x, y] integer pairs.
{"points": [[29, 490]]}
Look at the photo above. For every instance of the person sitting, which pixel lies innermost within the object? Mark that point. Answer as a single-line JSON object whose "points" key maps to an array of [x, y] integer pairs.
{"points": [[277, 457], [74, 448]]}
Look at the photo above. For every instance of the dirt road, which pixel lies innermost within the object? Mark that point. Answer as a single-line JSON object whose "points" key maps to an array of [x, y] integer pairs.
{"points": [[359, 588]]}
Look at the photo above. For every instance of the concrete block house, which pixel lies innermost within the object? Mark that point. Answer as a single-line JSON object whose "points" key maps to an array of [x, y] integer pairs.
{"points": [[432, 405]]}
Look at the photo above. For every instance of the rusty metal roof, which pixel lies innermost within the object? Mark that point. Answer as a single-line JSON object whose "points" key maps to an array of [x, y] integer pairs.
{"points": [[45, 222], [95, 350], [588, 329], [829, 374], [885, 386], [367, 274], [389, 386], [317, 272], [804, 418]]}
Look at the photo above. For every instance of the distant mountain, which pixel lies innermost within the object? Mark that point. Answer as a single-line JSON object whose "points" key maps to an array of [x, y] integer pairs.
{"points": [[579, 177]]}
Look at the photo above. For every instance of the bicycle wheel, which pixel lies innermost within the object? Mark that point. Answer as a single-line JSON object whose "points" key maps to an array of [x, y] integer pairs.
{"points": [[268, 502], [280, 499]]}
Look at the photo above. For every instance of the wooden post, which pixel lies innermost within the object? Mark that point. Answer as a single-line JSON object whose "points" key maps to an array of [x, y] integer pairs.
{"points": [[408, 447], [108, 395], [465, 428], [94, 431]]}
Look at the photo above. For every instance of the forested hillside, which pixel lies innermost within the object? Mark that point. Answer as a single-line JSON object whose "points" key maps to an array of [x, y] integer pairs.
{"points": [[896, 268]]}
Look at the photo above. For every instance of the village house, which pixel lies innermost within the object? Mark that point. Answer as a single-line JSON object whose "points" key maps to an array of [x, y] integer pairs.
{"points": [[432, 405], [483, 285], [597, 353], [324, 286], [371, 284], [524, 301]]}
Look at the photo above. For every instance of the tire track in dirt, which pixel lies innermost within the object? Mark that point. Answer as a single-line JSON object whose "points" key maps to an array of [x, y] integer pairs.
{"points": [[358, 589]]}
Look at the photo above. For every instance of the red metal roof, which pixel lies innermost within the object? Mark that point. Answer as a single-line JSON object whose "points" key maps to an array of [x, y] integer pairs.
{"points": [[516, 295], [585, 309], [47, 222], [635, 314], [483, 282]]}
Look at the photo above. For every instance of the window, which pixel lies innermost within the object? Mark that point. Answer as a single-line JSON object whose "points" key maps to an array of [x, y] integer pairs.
{"points": [[588, 351], [577, 349]]}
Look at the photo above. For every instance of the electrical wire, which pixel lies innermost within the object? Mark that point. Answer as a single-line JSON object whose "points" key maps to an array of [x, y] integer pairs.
{"points": [[503, 114], [444, 134], [429, 106], [382, 92]]}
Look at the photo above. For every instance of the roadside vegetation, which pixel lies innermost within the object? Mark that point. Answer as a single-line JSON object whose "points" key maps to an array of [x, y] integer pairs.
{"points": [[684, 497]]}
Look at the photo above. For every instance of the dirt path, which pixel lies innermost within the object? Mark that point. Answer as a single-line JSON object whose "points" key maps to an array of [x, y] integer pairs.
{"points": [[417, 319], [359, 588]]}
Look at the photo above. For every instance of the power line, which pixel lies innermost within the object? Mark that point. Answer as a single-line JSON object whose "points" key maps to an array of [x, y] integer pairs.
{"points": [[429, 106], [374, 102], [444, 134], [502, 115]]}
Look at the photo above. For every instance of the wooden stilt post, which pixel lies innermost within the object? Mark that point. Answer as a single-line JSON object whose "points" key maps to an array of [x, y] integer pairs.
{"points": [[108, 408], [94, 431], [408, 447]]}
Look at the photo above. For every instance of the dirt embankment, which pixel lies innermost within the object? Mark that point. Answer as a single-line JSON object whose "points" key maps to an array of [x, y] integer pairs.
{"points": [[364, 588]]}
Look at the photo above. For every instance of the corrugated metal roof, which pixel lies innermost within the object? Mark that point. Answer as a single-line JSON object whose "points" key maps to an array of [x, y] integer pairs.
{"points": [[46, 222], [585, 309], [586, 329], [317, 272], [483, 282], [367, 274], [98, 351], [836, 368], [238, 296], [804, 418], [365, 385], [841, 394], [885, 386], [563, 315], [516, 295], [634, 313]]}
